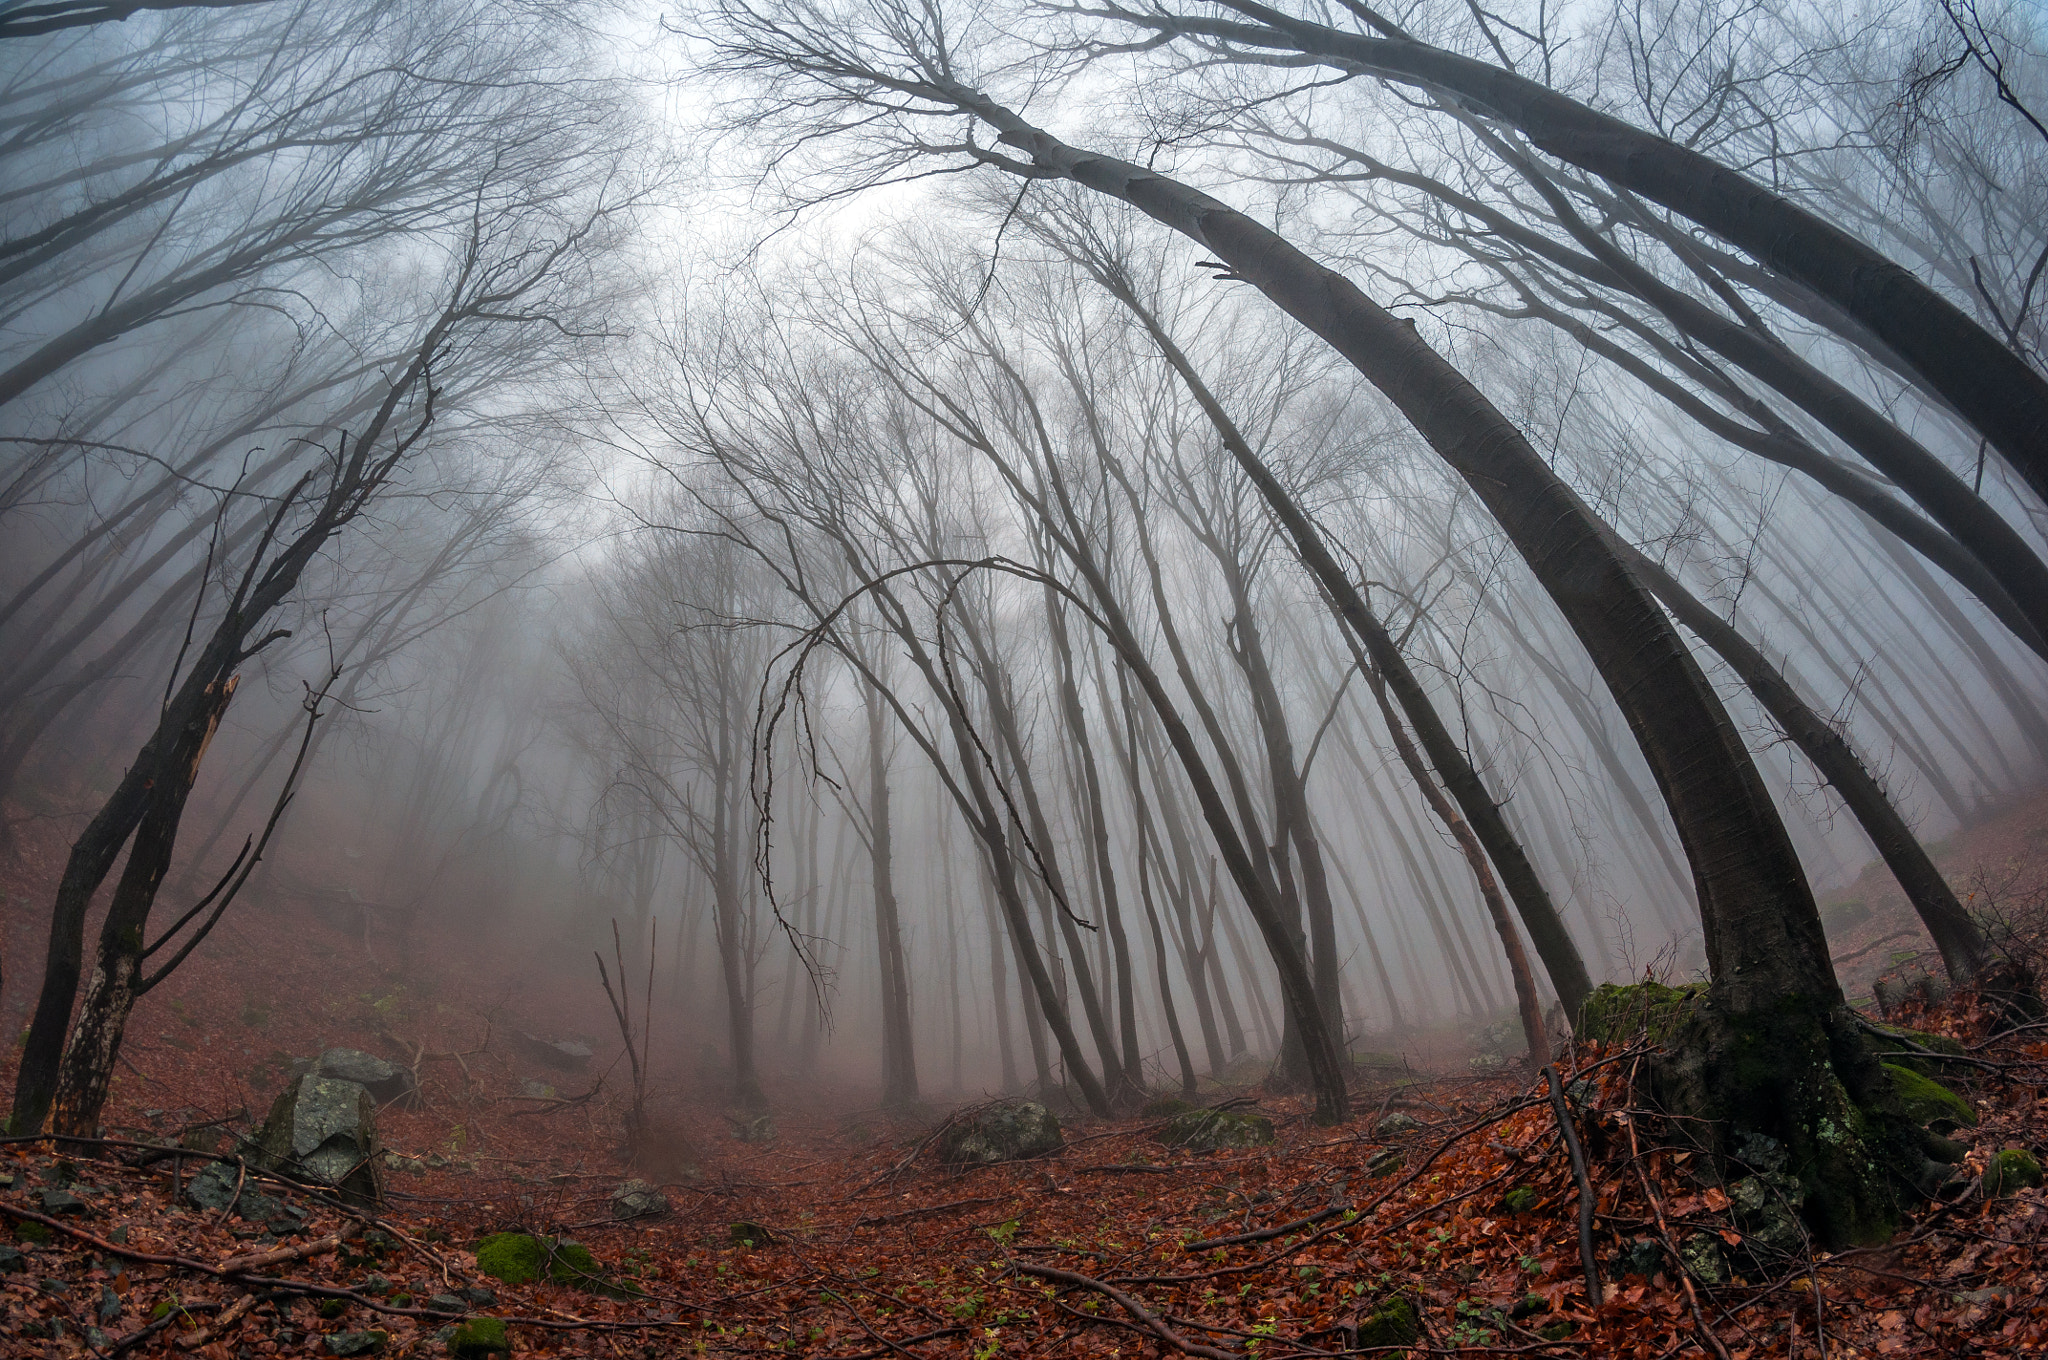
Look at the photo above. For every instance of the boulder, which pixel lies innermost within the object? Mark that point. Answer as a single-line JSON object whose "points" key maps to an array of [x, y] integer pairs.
{"points": [[568, 1055], [1005, 1131], [387, 1082], [1211, 1130], [325, 1131]]}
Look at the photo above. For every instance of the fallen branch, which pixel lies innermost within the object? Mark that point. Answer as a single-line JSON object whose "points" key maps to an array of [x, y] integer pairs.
{"points": [[1130, 1305], [1585, 1182], [220, 1326]]}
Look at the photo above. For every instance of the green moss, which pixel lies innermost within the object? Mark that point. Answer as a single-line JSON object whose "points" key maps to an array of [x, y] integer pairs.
{"points": [[1615, 1012], [521, 1258], [2011, 1170], [1896, 1045], [1929, 1102], [36, 1233], [331, 1309], [515, 1258], [1393, 1323], [1519, 1200], [480, 1337]]}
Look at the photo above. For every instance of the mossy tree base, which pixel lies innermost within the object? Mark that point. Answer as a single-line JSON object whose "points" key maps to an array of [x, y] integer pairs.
{"points": [[1793, 1107]]}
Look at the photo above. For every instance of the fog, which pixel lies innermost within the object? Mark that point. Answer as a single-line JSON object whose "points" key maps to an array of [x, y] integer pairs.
{"points": [[674, 471]]}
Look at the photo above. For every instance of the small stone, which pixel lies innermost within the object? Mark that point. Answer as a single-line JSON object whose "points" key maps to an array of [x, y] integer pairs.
{"points": [[1701, 1253], [750, 1235], [638, 1199], [57, 1201], [356, 1343], [758, 1128], [446, 1303], [1385, 1162], [1395, 1124], [1519, 1200], [1639, 1258], [479, 1296], [12, 1259], [536, 1090], [110, 1303]]}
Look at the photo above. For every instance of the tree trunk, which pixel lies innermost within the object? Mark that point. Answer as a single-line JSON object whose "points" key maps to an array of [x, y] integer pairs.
{"points": [[899, 1063], [88, 1062]]}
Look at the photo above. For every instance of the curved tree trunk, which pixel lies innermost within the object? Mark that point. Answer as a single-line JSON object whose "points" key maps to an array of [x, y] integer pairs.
{"points": [[1983, 380], [1962, 944]]}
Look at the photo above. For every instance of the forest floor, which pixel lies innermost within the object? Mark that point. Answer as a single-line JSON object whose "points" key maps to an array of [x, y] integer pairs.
{"points": [[846, 1237]]}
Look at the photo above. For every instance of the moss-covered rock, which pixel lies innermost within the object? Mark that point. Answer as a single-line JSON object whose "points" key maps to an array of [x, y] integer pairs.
{"points": [[1704, 1259], [1615, 1012], [1392, 1322], [521, 1258], [1519, 1200], [1211, 1130], [1004, 1131], [1929, 1102], [478, 1338], [2011, 1170]]}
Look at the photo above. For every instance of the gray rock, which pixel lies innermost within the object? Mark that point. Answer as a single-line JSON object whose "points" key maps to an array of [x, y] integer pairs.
{"points": [[1702, 1255], [638, 1199], [752, 1128], [569, 1055], [1767, 1209], [1212, 1130], [446, 1303], [11, 1259], [1394, 1124], [1639, 1258], [386, 1082], [60, 1201], [356, 1343], [537, 1090], [213, 1189], [1005, 1131], [324, 1130]]}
